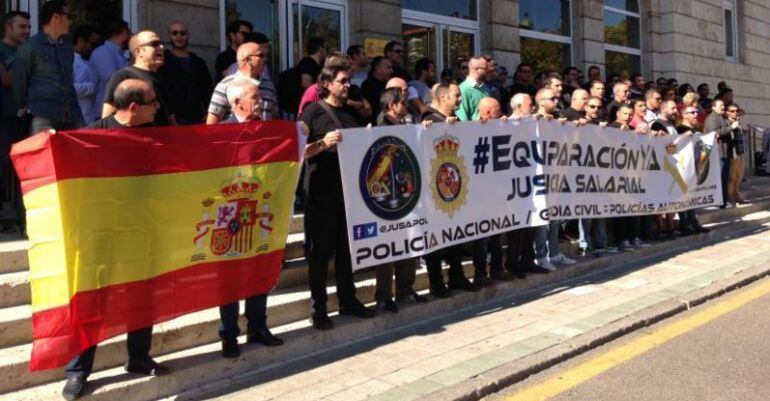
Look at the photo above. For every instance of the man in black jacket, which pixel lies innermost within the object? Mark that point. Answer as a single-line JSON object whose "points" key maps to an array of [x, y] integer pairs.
{"points": [[715, 122], [187, 78]]}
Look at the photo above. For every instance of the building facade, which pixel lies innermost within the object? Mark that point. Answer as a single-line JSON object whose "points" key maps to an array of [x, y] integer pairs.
{"points": [[693, 41]]}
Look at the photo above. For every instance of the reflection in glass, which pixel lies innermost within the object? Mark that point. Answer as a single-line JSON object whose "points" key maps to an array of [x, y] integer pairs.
{"points": [[316, 22], [96, 13], [622, 64], [729, 40], [450, 8], [419, 42], [264, 15], [621, 30], [628, 5], [457, 46], [545, 55], [550, 16]]}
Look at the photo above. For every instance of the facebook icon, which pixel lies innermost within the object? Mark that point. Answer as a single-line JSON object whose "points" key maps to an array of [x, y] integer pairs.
{"points": [[363, 231]]}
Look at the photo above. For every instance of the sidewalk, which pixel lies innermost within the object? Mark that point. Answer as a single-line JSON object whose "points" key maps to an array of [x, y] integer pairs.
{"points": [[431, 357]]}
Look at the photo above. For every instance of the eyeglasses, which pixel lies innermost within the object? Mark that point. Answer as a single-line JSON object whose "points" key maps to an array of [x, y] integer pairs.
{"points": [[260, 56], [690, 112], [154, 43], [175, 33], [593, 106]]}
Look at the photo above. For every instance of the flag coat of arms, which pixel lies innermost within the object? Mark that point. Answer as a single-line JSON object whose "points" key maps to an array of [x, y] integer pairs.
{"points": [[137, 226]]}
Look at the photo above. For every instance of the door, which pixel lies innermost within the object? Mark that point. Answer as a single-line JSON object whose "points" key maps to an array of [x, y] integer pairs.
{"points": [[419, 40], [315, 18]]}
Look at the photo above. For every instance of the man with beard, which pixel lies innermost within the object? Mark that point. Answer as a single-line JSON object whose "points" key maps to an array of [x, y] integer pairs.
{"points": [[236, 32], [147, 49], [446, 99], [17, 29], [473, 90], [394, 52], [187, 76], [554, 83], [325, 205], [419, 89], [688, 221], [638, 87], [251, 59], [135, 106]]}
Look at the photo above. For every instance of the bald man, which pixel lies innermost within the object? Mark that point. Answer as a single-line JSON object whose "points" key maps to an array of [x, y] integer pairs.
{"points": [[489, 109], [251, 59], [147, 50], [136, 104]]}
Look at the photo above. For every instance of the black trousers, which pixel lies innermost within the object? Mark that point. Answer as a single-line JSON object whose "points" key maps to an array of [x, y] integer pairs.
{"points": [[480, 248], [329, 236], [138, 344], [521, 250], [452, 255]]}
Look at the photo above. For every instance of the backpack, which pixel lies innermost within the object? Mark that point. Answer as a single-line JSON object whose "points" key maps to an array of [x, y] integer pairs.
{"points": [[289, 90]]}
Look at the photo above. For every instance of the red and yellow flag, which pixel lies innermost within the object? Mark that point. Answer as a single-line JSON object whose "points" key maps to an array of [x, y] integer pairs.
{"points": [[132, 227]]}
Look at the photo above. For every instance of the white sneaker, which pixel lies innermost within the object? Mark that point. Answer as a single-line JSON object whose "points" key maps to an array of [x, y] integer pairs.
{"points": [[545, 264], [560, 258]]}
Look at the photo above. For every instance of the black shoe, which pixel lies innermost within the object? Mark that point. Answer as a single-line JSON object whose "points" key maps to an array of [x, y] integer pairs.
{"points": [[501, 276], [686, 231], [321, 321], [387, 306], [358, 310], [413, 298], [264, 337], [230, 348], [537, 270], [464, 285], [482, 282], [73, 388], [440, 292], [147, 368]]}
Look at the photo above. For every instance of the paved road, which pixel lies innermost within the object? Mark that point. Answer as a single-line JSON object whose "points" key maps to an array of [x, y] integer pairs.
{"points": [[707, 359]]}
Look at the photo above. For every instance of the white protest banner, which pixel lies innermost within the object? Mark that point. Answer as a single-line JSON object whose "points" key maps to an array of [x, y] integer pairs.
{"points": [[411, 190]]}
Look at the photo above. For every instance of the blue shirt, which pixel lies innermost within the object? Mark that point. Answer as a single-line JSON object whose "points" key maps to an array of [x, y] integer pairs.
{"points": [[85, 86], [42, 79], [105, 60]]}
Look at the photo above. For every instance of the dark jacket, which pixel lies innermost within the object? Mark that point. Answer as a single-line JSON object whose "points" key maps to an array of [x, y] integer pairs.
{"points": [[189, 90], [43, 81], [716, 123]]}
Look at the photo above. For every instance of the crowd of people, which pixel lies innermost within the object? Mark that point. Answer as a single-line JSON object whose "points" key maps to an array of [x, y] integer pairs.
{"points": [[68, 77]]}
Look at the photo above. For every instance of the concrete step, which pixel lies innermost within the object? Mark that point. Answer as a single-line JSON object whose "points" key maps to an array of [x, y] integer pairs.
{"points": [[291, 307], [200, 365]]}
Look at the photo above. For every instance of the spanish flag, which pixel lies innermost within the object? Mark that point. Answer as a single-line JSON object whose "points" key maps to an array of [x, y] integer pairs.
{"points": [[132, 227]]}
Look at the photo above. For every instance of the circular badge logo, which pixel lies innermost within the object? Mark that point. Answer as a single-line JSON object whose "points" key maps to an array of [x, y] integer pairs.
{"points": [[449, 181], [389, 178], [702, 154]]}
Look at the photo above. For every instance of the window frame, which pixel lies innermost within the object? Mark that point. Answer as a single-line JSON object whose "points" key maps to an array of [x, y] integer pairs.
{"points": [[440, 23], [437, 17], [551, 37], [130, 12], [633, 51], [732, 6]]}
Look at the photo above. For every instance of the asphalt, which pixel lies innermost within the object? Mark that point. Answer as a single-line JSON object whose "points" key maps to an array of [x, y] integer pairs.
{"points": [[725, 359]]}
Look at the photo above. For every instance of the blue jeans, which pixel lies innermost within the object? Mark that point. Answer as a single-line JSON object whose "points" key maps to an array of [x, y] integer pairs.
{"points": [[138, 344], [593, 233], [549, 233], [256, 317]]}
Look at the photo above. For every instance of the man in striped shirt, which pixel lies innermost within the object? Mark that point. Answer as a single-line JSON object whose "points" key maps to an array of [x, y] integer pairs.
{"points": [[251, 59]]}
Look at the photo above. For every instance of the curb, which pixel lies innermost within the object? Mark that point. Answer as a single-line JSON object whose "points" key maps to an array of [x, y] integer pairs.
{"points": [[516, 371]]}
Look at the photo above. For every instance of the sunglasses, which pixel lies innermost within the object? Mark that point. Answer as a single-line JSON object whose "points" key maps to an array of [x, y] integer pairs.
{"points": [[593, 106], [155, 43], [175, 33]]}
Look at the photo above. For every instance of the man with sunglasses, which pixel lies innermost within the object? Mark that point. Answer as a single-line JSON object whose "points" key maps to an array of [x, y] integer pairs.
{"points": [[251, 62], [187, 76], [135, 106], [394, 51], [147, 49], [42, 73]]}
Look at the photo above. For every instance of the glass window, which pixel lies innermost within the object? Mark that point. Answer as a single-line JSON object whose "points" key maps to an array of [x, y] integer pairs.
{"points": [[458, 46], [319, 22], [419, 41], [449, 8], [549, 16], [96, 13], [620, 29], [729, 32], [628, 5], [546, 55], [622, 64], [263, 14]]}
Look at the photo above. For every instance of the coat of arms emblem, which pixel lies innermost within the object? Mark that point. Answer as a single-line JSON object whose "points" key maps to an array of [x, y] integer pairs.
{"points": [[449, 175], [234, 222]]}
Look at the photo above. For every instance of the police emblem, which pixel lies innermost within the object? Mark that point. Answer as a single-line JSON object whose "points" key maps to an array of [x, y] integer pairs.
{"points": [[389, 178], [449, 175], [234, 220]]}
